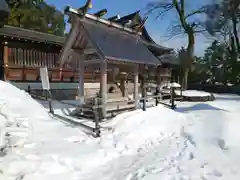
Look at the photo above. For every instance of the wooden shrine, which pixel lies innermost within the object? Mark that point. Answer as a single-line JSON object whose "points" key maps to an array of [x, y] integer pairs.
{"points": [[121, 48]]}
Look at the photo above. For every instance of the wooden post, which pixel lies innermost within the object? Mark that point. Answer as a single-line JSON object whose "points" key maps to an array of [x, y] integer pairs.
{"points": [[143, 88], [158, 79], [81, 80], [136, 69], [5, 59], [103, 87]]}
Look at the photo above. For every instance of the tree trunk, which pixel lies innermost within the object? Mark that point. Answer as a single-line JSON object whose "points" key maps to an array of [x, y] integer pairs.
{"points": [[185, 85], [235, 31], [190, 51]]}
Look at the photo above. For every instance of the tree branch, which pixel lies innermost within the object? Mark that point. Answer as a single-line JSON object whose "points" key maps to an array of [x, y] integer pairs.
{"points": [[199, 11], [162, 8], [180, 14]]}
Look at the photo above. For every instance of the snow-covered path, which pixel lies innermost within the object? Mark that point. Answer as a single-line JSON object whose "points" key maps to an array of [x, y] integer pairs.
{"points": [[197, 141]]}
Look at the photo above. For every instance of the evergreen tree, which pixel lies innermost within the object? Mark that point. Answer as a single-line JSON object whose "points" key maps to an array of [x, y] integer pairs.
{"points": [[36, 15]]}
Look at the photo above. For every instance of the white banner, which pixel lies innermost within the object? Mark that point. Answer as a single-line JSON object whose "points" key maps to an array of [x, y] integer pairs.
{"points": [[44, 78]]}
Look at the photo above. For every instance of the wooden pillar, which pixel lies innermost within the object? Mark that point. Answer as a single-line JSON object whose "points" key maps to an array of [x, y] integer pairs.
{"points": [[123, 84], [143, 88], [158, 78], [103, 87], [81, 80], [5, 60], [135, 81]]}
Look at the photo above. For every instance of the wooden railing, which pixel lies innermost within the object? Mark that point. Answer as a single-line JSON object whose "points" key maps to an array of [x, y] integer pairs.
{"points": [[32, 58]]}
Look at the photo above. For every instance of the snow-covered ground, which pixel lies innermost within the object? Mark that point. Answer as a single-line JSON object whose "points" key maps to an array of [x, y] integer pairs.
{"points": [[196, 141]]}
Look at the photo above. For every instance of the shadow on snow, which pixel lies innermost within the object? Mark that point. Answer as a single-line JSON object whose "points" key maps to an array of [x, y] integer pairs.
{"points": [[198, 107]]}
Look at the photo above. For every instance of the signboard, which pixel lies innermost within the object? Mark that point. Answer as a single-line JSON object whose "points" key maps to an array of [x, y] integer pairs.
{"points": [[44, 78]]}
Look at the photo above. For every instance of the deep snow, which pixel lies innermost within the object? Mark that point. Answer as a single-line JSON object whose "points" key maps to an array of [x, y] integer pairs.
{"points": [[197, 141]]}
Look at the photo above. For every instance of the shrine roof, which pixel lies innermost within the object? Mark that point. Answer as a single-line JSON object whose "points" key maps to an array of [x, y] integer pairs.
{"points": [[26, 34]]}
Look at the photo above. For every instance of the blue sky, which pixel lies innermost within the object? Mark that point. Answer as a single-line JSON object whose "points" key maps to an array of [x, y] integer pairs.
{"points": [[156, 28]]}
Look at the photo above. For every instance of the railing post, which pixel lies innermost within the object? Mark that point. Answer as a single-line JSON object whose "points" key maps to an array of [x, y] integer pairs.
{"points": [[96, 112], [29, 89], [157, 96], [144, 99], [173, 106], [50, 102]]}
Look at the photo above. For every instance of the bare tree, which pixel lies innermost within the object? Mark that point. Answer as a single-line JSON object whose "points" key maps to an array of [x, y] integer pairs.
{"points": [[187, 23]]}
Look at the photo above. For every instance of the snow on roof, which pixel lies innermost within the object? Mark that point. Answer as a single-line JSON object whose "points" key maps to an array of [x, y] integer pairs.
{"points": [[175, 85]]}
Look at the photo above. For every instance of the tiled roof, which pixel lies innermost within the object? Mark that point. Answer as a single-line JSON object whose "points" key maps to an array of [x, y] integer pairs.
{"points": [[119, 45]]}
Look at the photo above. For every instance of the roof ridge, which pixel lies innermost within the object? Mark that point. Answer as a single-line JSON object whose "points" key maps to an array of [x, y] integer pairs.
{"points": [[134, 13], [70, 10]]}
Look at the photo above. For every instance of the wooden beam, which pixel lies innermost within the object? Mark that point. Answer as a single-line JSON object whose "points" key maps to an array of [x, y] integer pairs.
{"points": [[79, 40], [70, 41], [89, 51], [94, 61], [6, 55]]}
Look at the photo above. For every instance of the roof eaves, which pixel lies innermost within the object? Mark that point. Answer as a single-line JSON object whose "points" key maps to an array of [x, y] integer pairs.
{"points": [[31, 35], [169, 59], [133, 61], [155, 45]]}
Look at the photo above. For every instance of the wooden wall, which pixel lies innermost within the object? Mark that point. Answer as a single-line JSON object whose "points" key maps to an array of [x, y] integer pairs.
{"points": [[22, 61]]}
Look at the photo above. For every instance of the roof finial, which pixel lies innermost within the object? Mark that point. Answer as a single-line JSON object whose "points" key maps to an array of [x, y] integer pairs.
{"points": [[113, 18], [100, 13], [141, 25], [83, 10]]}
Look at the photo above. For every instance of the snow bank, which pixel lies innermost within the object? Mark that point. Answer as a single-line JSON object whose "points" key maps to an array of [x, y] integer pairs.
{"points": [[211, 144], [193, 93], [39, 135], [18, 110], [140, 128], [20, 102]]}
